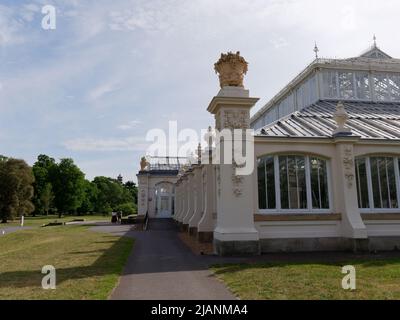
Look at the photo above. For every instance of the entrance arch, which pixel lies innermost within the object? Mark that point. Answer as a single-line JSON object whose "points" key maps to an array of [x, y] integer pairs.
{"points": [[165, 199]]}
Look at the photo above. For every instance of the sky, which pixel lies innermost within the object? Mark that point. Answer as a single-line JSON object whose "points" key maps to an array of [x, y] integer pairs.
{"points": [[112, 70]]}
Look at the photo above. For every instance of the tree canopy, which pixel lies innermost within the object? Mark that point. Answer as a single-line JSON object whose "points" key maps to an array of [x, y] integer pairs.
{"points": [[16, 190], [51, 186]]}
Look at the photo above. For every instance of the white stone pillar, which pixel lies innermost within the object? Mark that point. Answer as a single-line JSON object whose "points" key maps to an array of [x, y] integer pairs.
{"points": [[177, 199], [190, 199], [183, 209], [206, 226], [235, 232], [143, 193], [198, 199], [353, 226]]}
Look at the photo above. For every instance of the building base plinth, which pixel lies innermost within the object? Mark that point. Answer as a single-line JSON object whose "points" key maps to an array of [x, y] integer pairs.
{"points": [[384, 243], [193, 231], [205, 237], [314, 245], [236, 248], [184, 227]]}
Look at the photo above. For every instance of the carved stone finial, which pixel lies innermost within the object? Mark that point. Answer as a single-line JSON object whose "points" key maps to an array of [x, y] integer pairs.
{"points": [[209, 137], [231, 68], [341, 117]]}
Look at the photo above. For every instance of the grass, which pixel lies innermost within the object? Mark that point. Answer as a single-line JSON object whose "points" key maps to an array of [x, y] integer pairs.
{"points": [[88, 264], [40, 220], [376, 279]]}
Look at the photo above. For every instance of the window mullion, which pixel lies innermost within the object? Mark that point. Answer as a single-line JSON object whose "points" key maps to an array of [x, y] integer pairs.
{"points": [[266, 183], [277, 183], [397, 177], [308, 183], [296, 167], [288, 182], [388, 183], [369, 179]]}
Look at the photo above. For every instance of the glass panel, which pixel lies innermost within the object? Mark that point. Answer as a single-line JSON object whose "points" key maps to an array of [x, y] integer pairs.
{"points": [[283, 179], [270, 182], [383, 182], [164, 204], [329, 84], [394, 87], [293, 182], [266, 183], [346, 88], [380, 87], [362, 86], [319, 183], [362, 183], [262, 197]]}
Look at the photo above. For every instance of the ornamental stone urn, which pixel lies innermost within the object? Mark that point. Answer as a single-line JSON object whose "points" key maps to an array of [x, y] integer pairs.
{"points": [[340, 116], [231, 68]]}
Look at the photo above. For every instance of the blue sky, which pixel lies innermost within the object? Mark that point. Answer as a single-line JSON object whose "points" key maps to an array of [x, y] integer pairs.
{"points": [[112, 70]]}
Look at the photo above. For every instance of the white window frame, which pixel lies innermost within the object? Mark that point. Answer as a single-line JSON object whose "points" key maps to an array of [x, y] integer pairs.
{"points": [[372, 208], [309, 209]]}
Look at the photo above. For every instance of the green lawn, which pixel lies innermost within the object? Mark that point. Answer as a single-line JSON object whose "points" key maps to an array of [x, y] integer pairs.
{"points": [[376, 279], [88, 264], [40, 220]]}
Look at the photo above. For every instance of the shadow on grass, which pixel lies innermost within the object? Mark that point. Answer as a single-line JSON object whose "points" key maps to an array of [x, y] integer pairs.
{"points": [[111, 261]]}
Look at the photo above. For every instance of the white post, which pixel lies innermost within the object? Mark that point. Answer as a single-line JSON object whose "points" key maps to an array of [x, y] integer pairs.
{"points": [[206, 225], [198, 199], [190, 200]]}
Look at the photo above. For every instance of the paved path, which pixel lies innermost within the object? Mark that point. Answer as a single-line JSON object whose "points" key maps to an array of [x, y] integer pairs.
{"points": [[161, 267], [7, 230]]}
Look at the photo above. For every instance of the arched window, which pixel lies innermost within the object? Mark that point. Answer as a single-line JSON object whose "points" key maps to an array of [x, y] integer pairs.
{"points": [[378, 183], [293, 182]]}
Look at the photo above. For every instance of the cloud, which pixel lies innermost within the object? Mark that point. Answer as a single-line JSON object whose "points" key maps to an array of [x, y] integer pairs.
{"points": [[130, 125], [101, 90], [91, 144]]}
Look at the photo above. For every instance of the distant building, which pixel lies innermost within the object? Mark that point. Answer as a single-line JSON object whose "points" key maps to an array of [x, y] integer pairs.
{"points": [[156, 194]]}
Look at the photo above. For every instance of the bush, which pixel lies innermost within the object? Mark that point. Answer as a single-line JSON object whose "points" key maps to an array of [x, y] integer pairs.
{"points": [[127, 208]]}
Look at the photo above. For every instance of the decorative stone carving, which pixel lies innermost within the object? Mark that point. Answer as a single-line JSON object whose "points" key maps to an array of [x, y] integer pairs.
{"points": [[231, 68], [236, 119], [218, 175], [348, 164], [237, 181]]}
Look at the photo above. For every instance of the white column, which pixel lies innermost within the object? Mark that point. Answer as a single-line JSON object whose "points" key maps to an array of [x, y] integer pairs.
{"points": [[177, 199], [206, 225], [352, 223], [190, 198], [235, 232], [182, 212], [198, 199], [143, 193]]}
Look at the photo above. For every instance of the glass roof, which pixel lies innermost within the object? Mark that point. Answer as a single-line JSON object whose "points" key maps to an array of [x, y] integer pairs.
{"points": [[166, 163]]}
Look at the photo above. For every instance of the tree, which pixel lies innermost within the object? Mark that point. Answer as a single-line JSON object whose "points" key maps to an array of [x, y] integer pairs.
{"points": [[127, 208], [68, 185], [90, 199], [132, 188], [16, 190], [112, 194], [47, 198], [41, 170]]}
